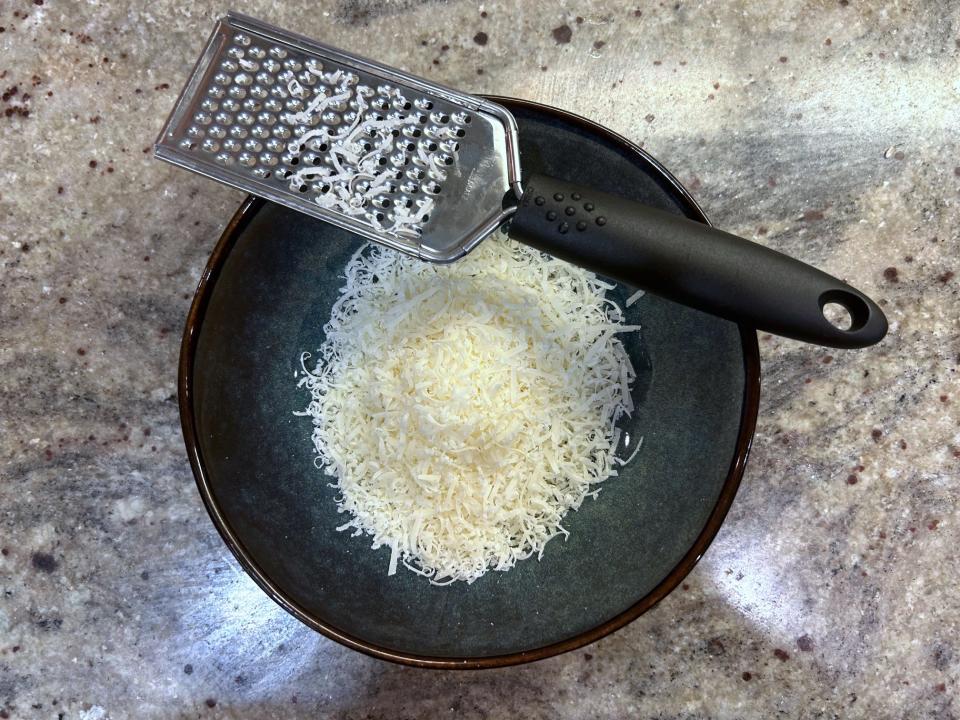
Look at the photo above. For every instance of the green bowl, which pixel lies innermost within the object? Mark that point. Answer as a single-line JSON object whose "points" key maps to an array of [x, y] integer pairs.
{"points": [[264, 298]]}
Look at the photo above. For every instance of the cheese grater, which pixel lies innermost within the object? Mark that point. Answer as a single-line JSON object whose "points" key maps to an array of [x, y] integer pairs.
{"points": [[431, 172]]}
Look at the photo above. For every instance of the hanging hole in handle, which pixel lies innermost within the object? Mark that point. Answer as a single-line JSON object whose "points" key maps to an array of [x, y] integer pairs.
{"points": [[844, 310], [837, 315]]}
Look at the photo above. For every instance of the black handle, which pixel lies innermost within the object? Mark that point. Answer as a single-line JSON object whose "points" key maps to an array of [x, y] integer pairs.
{"points": [[691, 263]]}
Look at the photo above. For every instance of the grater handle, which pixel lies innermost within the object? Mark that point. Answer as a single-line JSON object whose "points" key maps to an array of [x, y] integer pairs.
{"points": [[691, 263]]}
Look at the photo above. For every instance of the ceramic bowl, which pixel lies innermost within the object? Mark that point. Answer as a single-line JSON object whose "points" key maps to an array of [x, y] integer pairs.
{"points": [[265, 297]]}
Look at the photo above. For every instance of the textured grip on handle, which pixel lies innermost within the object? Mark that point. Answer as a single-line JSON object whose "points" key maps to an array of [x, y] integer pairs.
{"points": [[691, 263]]}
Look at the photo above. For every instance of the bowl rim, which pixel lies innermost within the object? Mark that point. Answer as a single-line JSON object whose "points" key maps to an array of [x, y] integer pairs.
{"points": [[748, 419]]}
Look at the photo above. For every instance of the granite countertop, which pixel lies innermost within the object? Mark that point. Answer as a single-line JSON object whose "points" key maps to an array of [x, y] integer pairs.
{"points": [[825, 129]]}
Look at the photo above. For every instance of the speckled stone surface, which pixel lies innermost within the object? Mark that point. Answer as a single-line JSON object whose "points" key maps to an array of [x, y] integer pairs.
{"points": [[825, 129]]}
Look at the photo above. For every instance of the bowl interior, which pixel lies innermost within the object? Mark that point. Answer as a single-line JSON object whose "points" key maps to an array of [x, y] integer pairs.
{"points": [[272, 282]]}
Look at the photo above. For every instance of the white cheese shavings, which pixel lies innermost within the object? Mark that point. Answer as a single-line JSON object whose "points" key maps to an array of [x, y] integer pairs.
{"points": [[358, 172], [464, 409]]}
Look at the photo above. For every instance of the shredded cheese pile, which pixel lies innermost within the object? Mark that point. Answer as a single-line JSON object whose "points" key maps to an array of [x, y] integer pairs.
{"points": [[464, 409]]}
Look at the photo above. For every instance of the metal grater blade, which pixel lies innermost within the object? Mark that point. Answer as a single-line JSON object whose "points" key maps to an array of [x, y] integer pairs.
{"points": [[402, 161]]}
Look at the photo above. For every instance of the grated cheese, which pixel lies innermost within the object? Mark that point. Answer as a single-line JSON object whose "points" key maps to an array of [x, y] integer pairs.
{"points": [[356, 176], [464, 409]]}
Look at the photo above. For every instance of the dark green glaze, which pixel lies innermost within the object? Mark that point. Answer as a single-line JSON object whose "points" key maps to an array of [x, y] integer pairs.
{"points": [[271, 283]]}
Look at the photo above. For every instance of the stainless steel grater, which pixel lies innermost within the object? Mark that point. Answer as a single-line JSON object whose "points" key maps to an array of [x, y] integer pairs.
{"points": [[431, 172], [413, 165]]}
